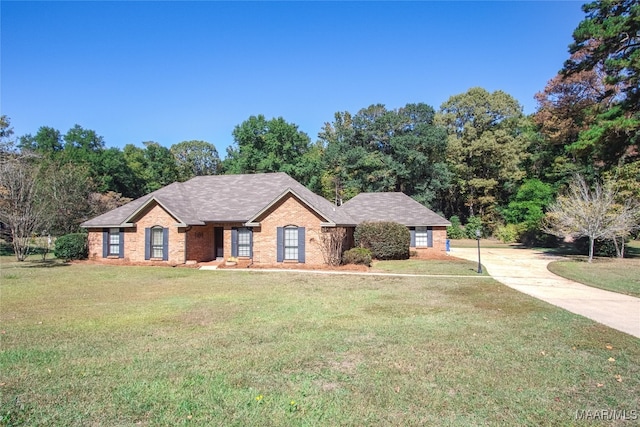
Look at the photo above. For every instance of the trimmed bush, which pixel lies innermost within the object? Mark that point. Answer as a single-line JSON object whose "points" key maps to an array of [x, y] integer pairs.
{"points": [[385, 240], [72, 246], [357, 256]]}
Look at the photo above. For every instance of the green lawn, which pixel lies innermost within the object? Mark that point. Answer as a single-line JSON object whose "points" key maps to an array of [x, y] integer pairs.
{"points": [[453, 266], [96, 345], [484, 243], [621, 276]]}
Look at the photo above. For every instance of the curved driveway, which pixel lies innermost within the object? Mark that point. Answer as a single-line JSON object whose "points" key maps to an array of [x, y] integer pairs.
{"points": [[526, 271]]}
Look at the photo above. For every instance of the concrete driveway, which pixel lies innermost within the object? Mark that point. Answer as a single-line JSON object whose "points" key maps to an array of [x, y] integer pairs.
{"points": [[526, 271]]}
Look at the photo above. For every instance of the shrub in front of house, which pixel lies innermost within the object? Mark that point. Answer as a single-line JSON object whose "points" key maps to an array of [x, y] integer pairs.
{"points": [[357, 256], [72, 246], [385, 240], [455, 230]]}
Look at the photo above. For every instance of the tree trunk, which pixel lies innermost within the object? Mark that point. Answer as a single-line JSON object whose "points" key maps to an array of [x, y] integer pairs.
{"points": [[591, 244], [615, 244]]}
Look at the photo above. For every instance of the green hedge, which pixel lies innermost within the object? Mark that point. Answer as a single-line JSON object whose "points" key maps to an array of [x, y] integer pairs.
{"points": [[385, 240], [72, 246], [357, 256]]}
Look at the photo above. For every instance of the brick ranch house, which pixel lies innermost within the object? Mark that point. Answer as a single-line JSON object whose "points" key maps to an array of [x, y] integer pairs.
{"points": [[265, 218]]}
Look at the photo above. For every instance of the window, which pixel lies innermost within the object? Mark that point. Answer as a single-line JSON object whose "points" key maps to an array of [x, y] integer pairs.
{"points": [[157, 247], [114, 242], [244, 242], [291, 243], [421, 237]]}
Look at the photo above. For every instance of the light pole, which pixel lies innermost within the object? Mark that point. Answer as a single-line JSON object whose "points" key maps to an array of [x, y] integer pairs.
{"points": [[478, 238]]}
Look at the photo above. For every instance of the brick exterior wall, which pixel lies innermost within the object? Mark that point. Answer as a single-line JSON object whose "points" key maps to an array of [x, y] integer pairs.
{"points": [[134, 238], [439, 243], [197, 243], [288, 211], [200, 243]]}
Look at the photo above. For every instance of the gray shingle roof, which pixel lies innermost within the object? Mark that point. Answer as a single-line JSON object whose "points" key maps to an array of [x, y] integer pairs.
{"points": [[396, 207], [223, 198]]}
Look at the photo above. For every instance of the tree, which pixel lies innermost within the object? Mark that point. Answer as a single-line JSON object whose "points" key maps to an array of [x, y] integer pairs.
{"points": [[610, 36], [385, 150], [154, 166], [47, 141], [111, 172], [486, 149], [196, 158], [100, 203], [529, 203], [567, 108], [65, 194], [20, 202], [592, 213], [609, 39], [262, 145], [6, 136]]}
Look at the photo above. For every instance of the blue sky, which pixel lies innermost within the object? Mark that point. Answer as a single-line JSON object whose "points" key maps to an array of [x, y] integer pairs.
{"points": [[174, 71]]}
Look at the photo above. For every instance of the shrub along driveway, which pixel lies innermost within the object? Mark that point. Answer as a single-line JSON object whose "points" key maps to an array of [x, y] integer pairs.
{"points": [[526, 271]]}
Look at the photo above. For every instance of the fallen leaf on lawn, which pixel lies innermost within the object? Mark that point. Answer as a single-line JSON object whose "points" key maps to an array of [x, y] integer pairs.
{"points": [[599, 385], [542, 353], [618, 378], [189, 417], [611, 359], [608, 347]]}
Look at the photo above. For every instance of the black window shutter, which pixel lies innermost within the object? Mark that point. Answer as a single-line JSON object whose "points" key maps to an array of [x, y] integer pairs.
{"points": [[280, 243], [251, 243], [412, 231], [105, 243], [147, 243], [430, 237], [165, 244], [234, 242], [121, 252], [301, 244]]}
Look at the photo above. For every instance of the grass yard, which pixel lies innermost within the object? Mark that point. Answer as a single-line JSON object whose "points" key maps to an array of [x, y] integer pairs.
{"points": [[612, 274], [484, 243], [453, 266], [95, 345], [618, 275]]}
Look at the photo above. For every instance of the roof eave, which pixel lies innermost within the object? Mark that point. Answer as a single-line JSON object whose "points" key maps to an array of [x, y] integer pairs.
{"points": [[121, 225], [280, 197], [154, 199]]}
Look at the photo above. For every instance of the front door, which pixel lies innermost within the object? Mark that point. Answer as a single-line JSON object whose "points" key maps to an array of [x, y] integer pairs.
{"points": [[218, 234]]}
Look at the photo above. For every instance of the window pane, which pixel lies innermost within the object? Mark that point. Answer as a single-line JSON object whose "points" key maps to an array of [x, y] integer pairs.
{"points": [[291, 243], [156, 237], [244, 242], [421, 236], [114, 241], [156, 242]]}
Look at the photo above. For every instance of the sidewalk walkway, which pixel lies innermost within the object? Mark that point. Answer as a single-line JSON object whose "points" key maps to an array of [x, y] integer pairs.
{"points": [[526, 271]]}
